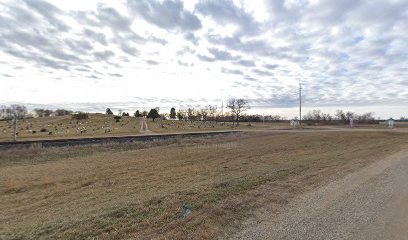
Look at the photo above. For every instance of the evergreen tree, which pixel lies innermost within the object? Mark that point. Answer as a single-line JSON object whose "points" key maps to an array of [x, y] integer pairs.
{"points": [[153, 114], [173, 113], [108, 111]]}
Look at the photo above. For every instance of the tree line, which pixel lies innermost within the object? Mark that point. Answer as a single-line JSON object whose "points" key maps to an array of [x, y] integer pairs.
{"points": [[340, 116], [236, 109], [209, 113], [7, 112]]}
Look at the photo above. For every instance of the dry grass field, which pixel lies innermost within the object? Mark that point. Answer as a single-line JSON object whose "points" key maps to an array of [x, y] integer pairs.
{"points": [[96, 125], [99, 125], [171, 126], [137, 190]]}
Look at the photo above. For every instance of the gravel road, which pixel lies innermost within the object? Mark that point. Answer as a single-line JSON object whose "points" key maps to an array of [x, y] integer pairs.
{"points": [[371, 203]]}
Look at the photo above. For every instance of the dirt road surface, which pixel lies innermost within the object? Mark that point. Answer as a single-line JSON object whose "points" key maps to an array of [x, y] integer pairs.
{"points": [[369, 204], [143, 126]]}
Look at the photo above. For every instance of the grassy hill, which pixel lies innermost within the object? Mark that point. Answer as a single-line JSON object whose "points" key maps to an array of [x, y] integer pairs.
{"points": [[66, 127], [167, 126], [100, 125]]}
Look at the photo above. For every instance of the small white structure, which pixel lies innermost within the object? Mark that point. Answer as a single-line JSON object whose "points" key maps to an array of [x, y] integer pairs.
{"points": [[351, 123], [389, 123], [294, 123]]}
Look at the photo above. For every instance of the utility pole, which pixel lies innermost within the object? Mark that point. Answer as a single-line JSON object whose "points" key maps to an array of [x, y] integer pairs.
{"points": [[222, 111], [300, 104], [14, 126], [263, 118]]}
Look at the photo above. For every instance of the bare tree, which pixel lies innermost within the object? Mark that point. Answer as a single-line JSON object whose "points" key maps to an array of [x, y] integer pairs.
{"points": [[191, 114], [204, 113], [237, 107], [7, 112], [40, 112], [212, 111], [181, 115]]}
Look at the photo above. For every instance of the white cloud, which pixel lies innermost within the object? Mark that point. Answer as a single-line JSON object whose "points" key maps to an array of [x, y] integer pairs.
{"points": [[347, 53]]}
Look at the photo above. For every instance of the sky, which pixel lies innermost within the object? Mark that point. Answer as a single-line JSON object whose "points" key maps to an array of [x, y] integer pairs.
{"points": [[138, 54]]}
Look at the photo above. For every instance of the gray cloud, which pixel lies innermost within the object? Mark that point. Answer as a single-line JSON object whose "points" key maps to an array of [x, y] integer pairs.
{"points": [[49, 12], [15, 15], [120, 26], [34, 44], [222, 55], [254, 47], [49, 56], [250, 78], [152, 62], [95, 36], [246, 63], [217, 55], [262, 73], [40, 60], [224, 12], [271, 66], [93, 76], [206, 58], [110, 17], [115, 75], [166, 14], [185, 64], [191, 37], [157, 40], [127, 48], [345, 52], [185, 50], [232, 71], [79, 45], [103, 55], [83, 69]]}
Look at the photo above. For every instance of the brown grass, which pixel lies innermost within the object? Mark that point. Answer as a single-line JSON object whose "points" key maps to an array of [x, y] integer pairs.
{"points": [[62, 127], [171, 126], [136, 191], [65, 127]]}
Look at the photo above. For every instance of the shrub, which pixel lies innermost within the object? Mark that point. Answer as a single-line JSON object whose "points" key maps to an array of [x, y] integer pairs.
{"points": [[108, 111], [62, 112], [80, 116]]}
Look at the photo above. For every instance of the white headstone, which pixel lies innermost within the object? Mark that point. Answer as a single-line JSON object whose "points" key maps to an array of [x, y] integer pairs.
{"points": [[294, 123]]}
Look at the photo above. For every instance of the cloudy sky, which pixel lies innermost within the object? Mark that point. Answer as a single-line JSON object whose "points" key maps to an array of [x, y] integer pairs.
{"points": [[88, 54]]}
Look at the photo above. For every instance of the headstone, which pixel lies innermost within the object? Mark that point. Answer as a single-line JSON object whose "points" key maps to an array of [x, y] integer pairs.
{"points": [[294, 123], [187, 209]]}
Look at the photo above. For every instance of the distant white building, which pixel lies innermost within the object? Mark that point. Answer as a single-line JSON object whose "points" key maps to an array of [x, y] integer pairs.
{"points": [[390, 123], [294, 123]]}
